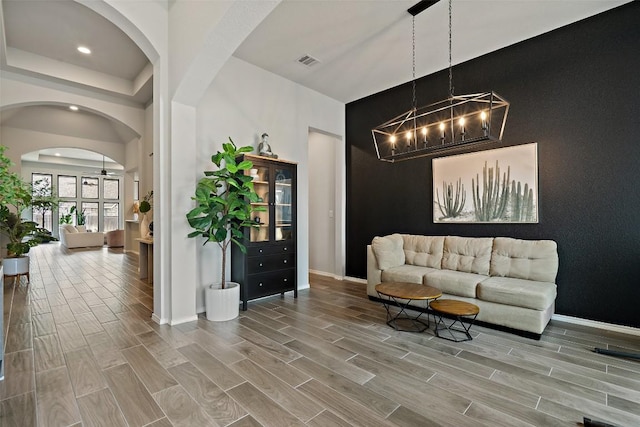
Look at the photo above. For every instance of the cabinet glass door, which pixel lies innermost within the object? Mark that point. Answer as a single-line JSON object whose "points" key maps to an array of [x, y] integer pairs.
{"points": [[260, 177], [283, 206]]}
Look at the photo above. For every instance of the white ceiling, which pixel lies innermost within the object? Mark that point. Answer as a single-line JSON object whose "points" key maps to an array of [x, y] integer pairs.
{"points": [[364, 46], [42, 37]]}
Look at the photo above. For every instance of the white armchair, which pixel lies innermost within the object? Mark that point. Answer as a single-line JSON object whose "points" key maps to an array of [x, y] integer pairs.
{"points": [[70, 237]]}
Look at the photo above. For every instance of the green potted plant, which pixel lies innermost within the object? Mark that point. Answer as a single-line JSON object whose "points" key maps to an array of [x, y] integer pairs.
{"points": [[66, 218], [223, 208], [145, 206], [15, 197], [81, 217]]}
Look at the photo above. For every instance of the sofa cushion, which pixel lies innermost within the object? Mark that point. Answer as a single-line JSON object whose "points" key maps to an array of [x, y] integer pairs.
{"points": [[454, 282], [525, 259], [388, 251], [70, 228], [467, 254], [406, 273], [81, 228], [425, 251], [517, 292]]}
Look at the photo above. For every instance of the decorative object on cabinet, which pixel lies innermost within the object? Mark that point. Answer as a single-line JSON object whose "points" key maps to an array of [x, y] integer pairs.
{"points": [[268, 266], [225, 202], [136, 210], [448, 126], [264, 149]]}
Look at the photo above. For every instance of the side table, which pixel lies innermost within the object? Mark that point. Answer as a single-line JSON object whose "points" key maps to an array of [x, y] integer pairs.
{"points": [[402, 294], [458, 310]]}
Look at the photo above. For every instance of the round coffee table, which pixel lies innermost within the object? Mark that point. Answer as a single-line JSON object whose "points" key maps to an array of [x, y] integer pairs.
{"points": [[401, 294], [458, 310]]}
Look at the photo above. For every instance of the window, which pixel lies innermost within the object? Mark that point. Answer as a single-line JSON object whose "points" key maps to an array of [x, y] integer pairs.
{"points": [[43, 199], [90, 188], [91, 215], [67, 187], [111, 216], [110, 189]]}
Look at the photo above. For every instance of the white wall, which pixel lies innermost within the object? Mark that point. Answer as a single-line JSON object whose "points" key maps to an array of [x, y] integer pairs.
{"points": [[243, 102], [322, 202]]}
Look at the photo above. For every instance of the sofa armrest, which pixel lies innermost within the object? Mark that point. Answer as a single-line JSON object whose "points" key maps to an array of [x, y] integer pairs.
{"points": [[374, 275]]}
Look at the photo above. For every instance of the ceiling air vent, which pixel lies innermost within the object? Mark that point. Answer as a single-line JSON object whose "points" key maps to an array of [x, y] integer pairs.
{"points": [[308, 60]]}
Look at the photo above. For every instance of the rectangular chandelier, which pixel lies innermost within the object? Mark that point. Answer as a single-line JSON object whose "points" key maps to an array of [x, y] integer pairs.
{"points": [[454, 124]]}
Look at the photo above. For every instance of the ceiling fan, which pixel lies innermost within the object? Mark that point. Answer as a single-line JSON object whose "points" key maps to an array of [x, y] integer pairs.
{"points": [[102, 172]]}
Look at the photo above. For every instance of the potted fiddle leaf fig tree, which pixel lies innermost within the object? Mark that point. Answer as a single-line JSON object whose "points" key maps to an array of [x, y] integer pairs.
{"points": [[224, 200], [15, 197]]}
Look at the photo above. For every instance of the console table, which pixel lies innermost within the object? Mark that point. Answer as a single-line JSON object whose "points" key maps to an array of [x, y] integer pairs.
{"points": [[145, 260]]}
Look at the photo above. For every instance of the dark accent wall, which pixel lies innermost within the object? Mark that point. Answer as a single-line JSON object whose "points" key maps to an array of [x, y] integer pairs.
{"points": [[576, 92]]}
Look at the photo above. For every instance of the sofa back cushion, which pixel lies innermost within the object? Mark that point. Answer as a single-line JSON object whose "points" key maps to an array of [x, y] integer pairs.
{"points": [[467, 254], [388, 251], [525, 259], [424, 251], [81, 228], [70, 228]]}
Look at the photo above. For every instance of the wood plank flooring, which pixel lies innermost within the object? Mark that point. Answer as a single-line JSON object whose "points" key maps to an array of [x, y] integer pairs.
{"points": [[82, 350]]}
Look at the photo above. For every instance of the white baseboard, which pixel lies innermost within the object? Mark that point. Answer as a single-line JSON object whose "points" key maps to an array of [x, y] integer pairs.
{"points": [[183, 320], [158, 320], [596, 324], [324, 273], [355, 279], [302, 286]]}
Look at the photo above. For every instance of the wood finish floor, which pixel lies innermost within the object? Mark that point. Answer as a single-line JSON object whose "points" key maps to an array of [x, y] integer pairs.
{"points": [[81, 350]]}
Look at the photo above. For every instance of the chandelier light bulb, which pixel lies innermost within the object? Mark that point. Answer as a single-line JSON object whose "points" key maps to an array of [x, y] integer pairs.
{"points": [[408, 135], [483, 116], [424, 131]]}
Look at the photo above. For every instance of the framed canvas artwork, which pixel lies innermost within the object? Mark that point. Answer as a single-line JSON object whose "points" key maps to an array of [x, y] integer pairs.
{"points": [[491, 186]]}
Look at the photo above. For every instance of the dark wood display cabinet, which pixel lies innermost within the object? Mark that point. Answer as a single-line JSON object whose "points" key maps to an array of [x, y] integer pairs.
{"points": [[269, 266]]}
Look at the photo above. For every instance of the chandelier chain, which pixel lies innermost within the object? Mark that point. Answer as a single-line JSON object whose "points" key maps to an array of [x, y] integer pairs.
{"points": [[413, 50], [450, 62]]}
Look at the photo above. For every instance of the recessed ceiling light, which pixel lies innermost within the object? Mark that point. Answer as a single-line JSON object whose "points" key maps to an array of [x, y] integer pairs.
{"points": [[58, 154], [84, 49], [73, 108]]}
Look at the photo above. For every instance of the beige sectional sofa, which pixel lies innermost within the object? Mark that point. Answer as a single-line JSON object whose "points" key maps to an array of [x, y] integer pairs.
{"points": [[511, 280], [71, 237]]}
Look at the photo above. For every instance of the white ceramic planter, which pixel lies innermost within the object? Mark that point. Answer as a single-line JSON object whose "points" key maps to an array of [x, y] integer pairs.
{"points": [[16, 266], [144, 226], [222, 304]]}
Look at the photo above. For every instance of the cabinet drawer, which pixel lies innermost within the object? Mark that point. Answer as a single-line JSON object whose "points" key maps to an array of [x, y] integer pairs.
{"points": [[270, 263], [259, 285], [269, 250]]}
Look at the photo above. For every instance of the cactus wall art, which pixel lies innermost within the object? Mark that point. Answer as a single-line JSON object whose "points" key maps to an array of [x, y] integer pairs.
{"points": [[503, 186]]}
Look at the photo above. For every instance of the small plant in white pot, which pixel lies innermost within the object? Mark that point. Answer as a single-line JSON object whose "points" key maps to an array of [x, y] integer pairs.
{"points": [[224, 206]]}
